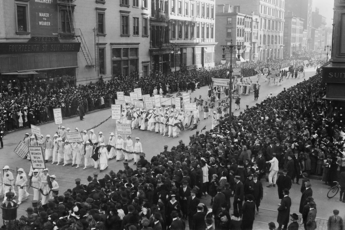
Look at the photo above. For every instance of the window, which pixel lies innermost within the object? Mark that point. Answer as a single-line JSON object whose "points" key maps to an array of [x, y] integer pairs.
{"points": [[228, 33], [124, 3], [124, 61], [203, 11], [207, 12], [198, 31], [229, 21], [207, 32], [100, 23], [125, 25], [212, 32], [212, 12], [146, 70], [173, 31], [66, 20], [203, 32], [192, 31], [180, 31], [135, 3], [22, 18], [144, 3], [180, 7], [135, 26], [186, 32], [186, 8], [161, 6], [101, 60], [145, 27], [192, 9], [172, 6]]}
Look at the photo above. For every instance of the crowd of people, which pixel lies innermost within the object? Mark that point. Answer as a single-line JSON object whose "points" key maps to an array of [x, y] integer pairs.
{"points": [[277, 138]]}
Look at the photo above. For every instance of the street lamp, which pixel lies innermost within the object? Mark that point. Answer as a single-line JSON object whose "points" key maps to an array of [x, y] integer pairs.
{"points": [[327, 47], [231, 48], [173, 46]]}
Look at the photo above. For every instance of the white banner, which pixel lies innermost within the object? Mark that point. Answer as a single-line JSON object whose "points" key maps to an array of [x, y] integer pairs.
{"points": [[74, 137], [123, 129], [148, 104], [36, 130], [120, 96], [119, 102], [178, 103], [21, 149], [166, 101], [57, 116], [139, 104], [186, 98], [146, 96], [134, 97], [190, 107], [138, 92], [37, 157], [128, 99], [157, 101], [116, 112]]}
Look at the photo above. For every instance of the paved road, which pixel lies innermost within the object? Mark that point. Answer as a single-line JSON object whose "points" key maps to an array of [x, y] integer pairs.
{"points": [[152, 145]]}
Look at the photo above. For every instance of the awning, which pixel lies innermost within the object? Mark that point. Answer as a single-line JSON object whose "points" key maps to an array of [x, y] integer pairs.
{"points": [[20, 73]]}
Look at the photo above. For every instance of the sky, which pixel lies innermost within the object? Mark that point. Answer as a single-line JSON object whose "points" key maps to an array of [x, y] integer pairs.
{"points": [[325, 9]]}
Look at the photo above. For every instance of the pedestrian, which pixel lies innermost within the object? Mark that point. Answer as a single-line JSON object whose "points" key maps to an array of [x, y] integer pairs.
{"points": [[284, 210], [294, 222], [248, 211], [218, 201], [258, 191], [222, 220], [238, 102], [283, 182], [272, 177], [307, 193], [311, 219], [1, 137], [304, 179], [238, 197], [335, 222], [192, 207], [271, 226]]}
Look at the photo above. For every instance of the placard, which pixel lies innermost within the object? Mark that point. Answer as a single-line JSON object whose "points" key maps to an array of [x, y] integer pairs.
{"points": [[157, 101], [134, 97], [146, 96], [178, 103], [74, 137], [138, 92], [236, 71], [139, 104], [190, 107], [166, 101], [120, 102], [149, 104], [57, 116], [128, 99], [21, 149], [123, 129], [186, 98], [120, 96], [36, 130], [116, 112], [37, 157]]}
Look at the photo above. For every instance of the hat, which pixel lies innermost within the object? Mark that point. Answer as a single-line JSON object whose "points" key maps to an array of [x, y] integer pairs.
{"points": [[26, 134], [137, 138], [84, 131], [32, 136], [20, 170], [77, 180], [77, 129], [53, 176], [45, 169], [91, 131], [95, 174], [294, 216], [63, 127], [111, 134], [102, 144], [100, 133], [271, 225], [68, 129], [238, 177], [29, 210], [6, 167]]}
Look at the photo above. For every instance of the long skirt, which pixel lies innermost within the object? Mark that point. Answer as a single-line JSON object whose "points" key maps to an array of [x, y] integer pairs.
{"points": [[136, 157], [22, 194], [67, 157], [48, 154], [103, 161], [119, 155], [112, 153], [157, 126]]}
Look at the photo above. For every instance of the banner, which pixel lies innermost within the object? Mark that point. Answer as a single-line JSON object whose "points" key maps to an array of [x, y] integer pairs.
{"points": [[186, 98], [120, 102], [157, 101], [138, 92], [178, 103], [149, 104], [139, 104], [57, 116], [134, 97], [37, 157], [120, 96], [74, 137], [190, 107], [128, 99], [123, 129], [146, 96], [21, 149], [166, 101], [116, 112], [36, 130]]}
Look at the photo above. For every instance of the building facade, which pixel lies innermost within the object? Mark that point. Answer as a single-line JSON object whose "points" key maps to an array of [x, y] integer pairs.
{"points": [[271, 15], [33, 43], [236, 28], [182, 34], [293, 36]]}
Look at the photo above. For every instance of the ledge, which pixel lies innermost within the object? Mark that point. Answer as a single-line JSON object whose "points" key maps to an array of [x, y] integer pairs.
{"points": [[22, 33], [124, 35]]}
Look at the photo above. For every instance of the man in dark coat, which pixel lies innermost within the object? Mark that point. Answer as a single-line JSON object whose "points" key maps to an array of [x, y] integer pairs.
{"points": [[305, 179], [248, 213], [218, 201], [298, 166], [199, 219], [258, 191], [294, 224], [176, 223], [290, 167], [284, 210], [193, 203], [238, 196], [307, 193], [185, 193], [261, 162], [283, 182]]}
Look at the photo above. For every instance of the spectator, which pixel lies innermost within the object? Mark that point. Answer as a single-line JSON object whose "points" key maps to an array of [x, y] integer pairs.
{"points": [[335, 222]]}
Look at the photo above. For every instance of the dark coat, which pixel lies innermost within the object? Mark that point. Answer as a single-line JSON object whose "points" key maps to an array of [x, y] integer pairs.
{"points": [[239, 191], [157, 226], [248, 211], [311, 223], [290, 168], [283, 182], [284, 210], [199, 221], [177, 224], [307, 193], [192, 205], [335, 223], [293, 226], [218, 201], [258, 190]]}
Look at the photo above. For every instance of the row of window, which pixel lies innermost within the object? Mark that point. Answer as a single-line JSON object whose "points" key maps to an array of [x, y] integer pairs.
{"points": [[271, 39], [268, 24], [271, 11], [126, 22], [279, 3], [192, 9], [186, 31], [135, 3]]}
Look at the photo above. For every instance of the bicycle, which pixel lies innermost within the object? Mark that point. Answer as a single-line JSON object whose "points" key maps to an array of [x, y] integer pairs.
{"points": [[333, 191]]}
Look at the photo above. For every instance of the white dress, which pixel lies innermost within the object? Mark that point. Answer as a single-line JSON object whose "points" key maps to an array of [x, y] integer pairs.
{"points": [[112, 152], [20, 119], [138, 148], [103, 158], [67, 156], [129, 150], [119, 149], [21, 184]]}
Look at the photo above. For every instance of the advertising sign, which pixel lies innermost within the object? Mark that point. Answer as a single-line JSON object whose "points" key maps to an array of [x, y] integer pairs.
{"points": [[57, 116], [35, 130], [138, 92], [123, 129], [74, 137], [44, 17], [120, 96], [21, 149], [37, 157], [116, 112]]}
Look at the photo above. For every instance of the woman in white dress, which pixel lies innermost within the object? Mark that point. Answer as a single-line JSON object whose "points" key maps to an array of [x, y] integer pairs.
{"points": [[101, 138], [67, 154], [80, 154], [143, 121], [60, 151], [36, 184], [103, 157], [129, 149], [138, 150], [20, 119], [112, 142], [49, 148], [21, 183], [74, 147], [88, 161], [44, 186], [157, 123], [119, 148], [176, 129], [151, 122]]}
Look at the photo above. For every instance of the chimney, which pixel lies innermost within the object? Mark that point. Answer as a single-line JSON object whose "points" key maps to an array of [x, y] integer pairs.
{"points": [[220, 8]]}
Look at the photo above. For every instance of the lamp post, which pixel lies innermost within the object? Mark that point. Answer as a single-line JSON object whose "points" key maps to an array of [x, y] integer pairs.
{"points": [[173, 46], [231, 48], [327, 47]]}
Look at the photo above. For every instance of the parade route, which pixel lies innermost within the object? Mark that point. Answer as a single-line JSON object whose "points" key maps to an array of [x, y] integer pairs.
{"points": [[153, 144]]}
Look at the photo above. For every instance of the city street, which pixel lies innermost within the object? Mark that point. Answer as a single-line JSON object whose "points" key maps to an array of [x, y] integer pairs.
{"points": [[153, 144]]}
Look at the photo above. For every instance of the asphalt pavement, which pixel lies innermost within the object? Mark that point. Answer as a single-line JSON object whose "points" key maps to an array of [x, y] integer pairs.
{"points": [[153, 144]]}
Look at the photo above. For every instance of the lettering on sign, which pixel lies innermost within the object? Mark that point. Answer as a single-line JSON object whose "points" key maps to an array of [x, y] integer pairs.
{"points": [[14, 48], [44, 1], [336, 75], [37, 157]]}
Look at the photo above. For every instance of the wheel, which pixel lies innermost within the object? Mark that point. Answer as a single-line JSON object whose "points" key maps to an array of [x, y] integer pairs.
{"points": [[332, 192]]}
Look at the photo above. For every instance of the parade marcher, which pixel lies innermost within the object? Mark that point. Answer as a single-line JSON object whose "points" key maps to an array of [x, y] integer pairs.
{"points": [[36, 184], [55, 149], [129, 149], [137, 150], [45, 189], [80, 153], [112, 145], [93, 138], [21, 183], [119, 148], [55, 187], [258, 191], [61, 148], [75, 149], [103, 157], [67, 153], [88, 155], [7, 181]]}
